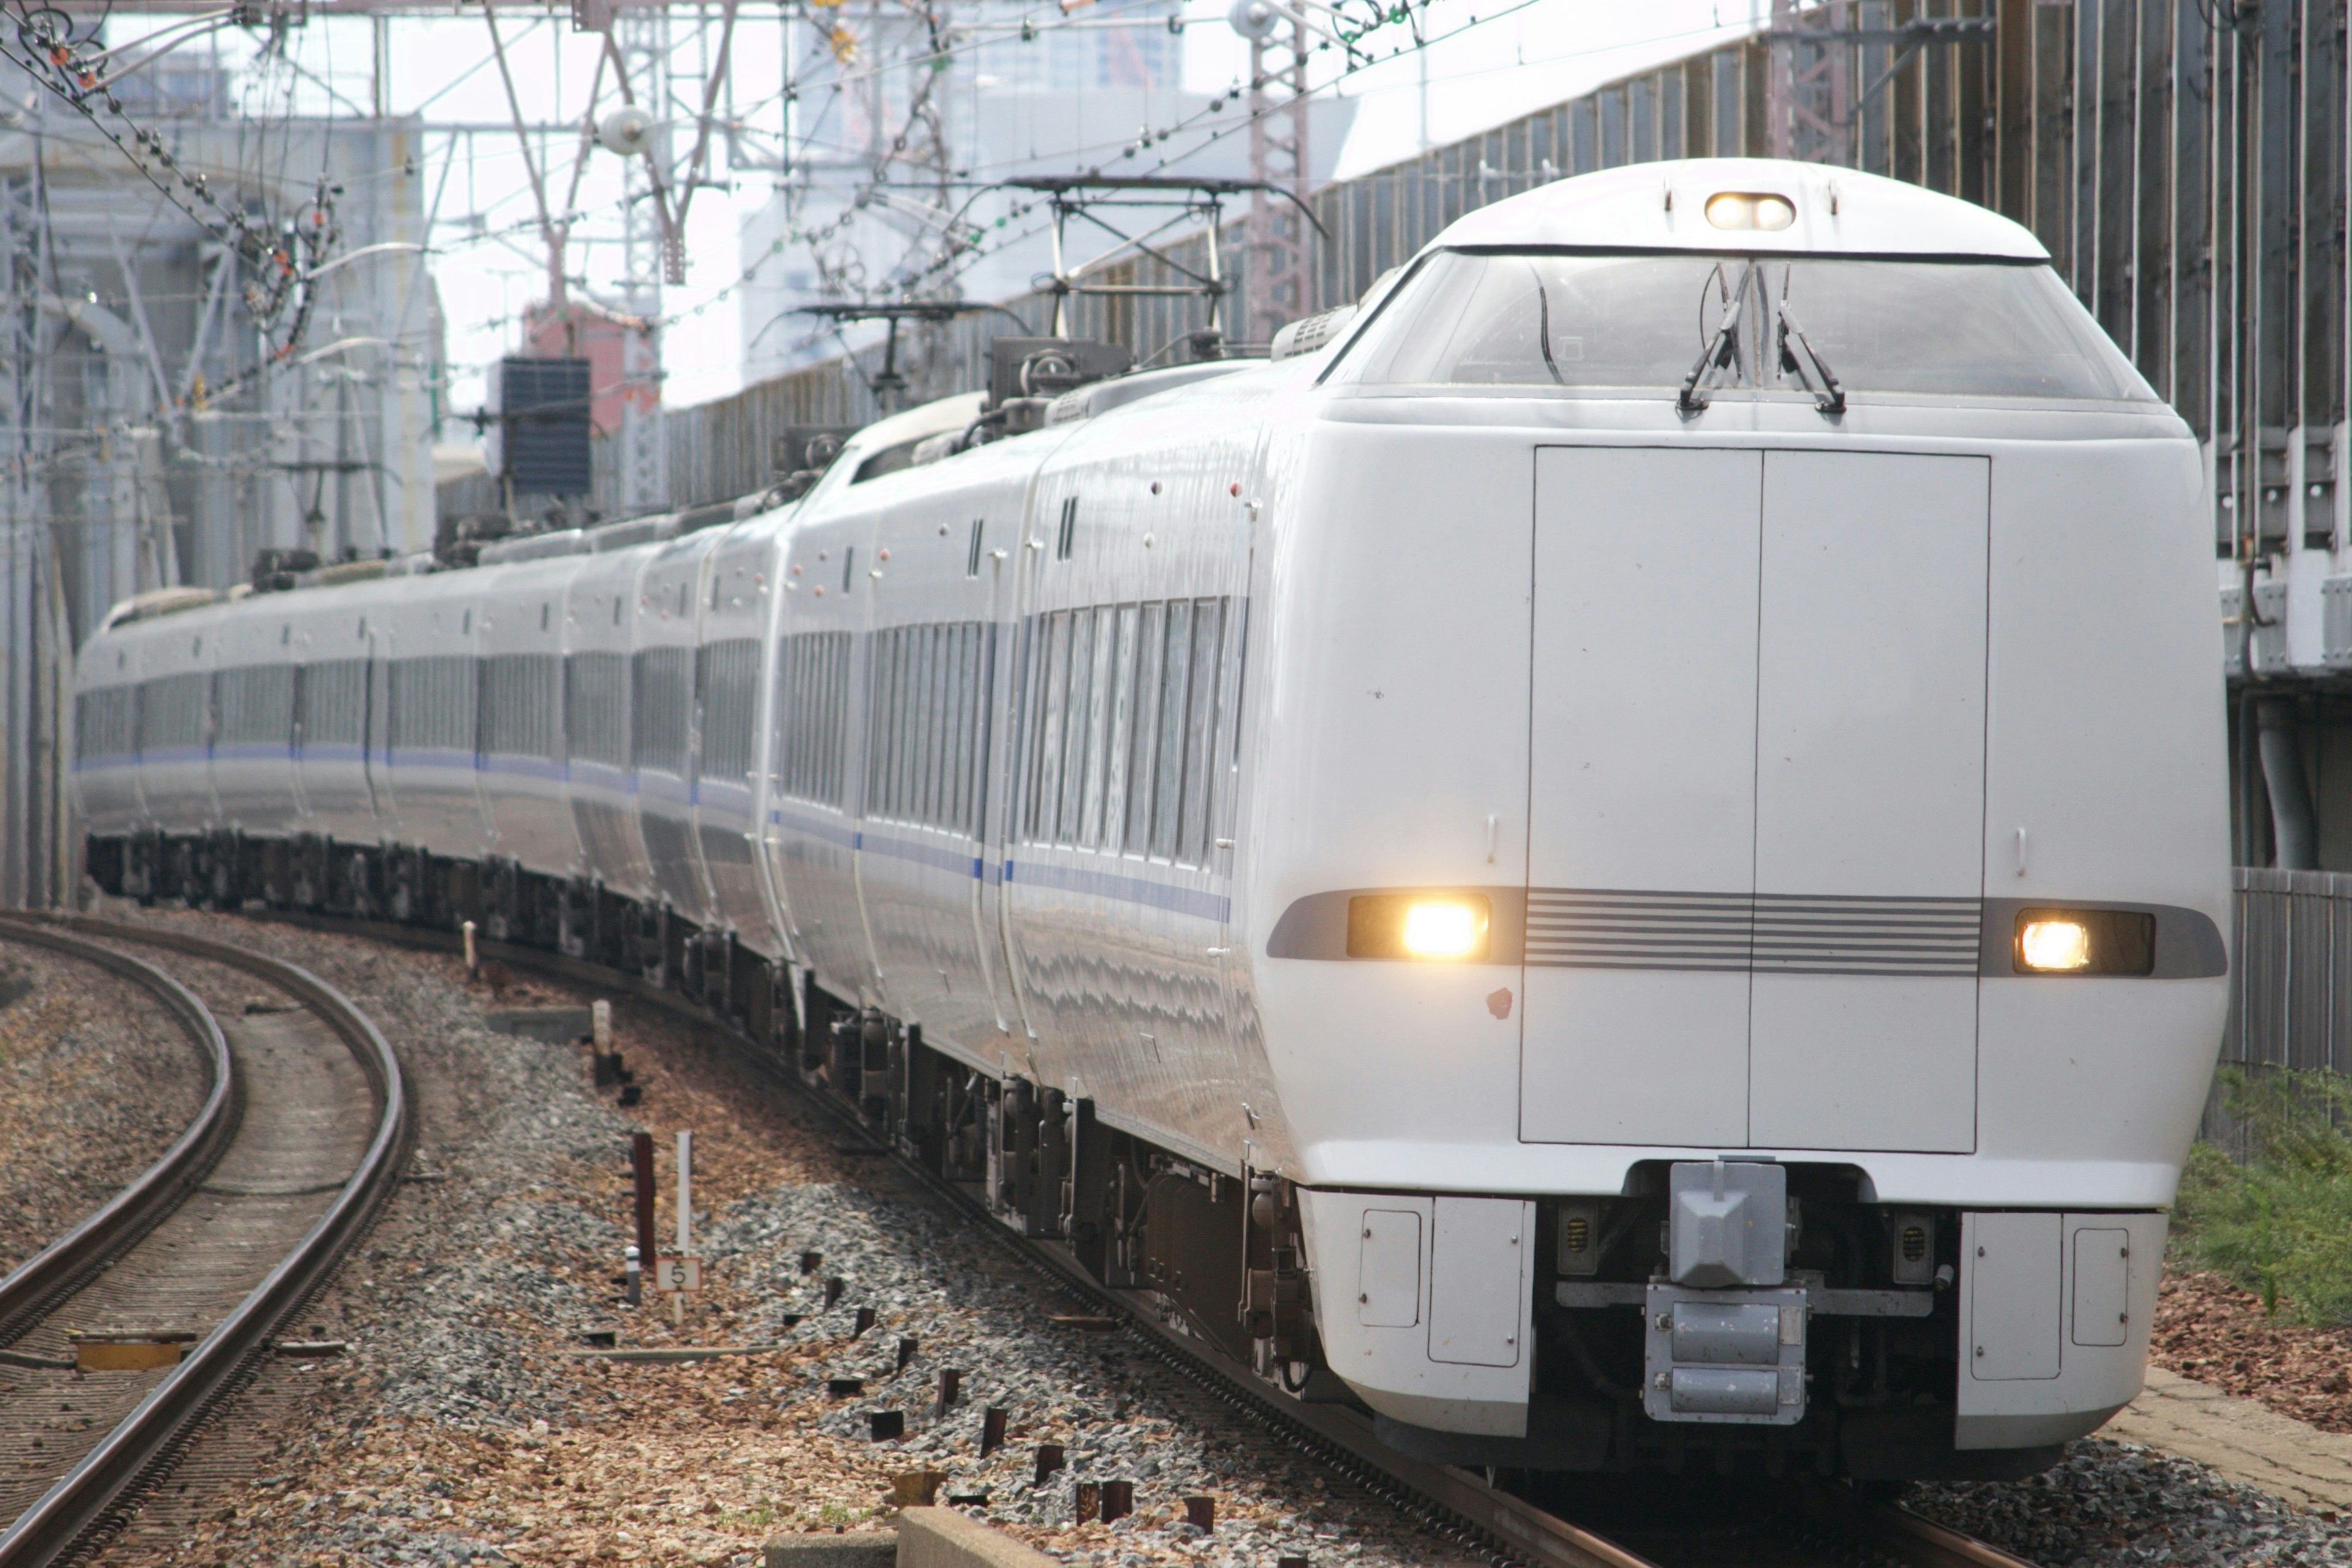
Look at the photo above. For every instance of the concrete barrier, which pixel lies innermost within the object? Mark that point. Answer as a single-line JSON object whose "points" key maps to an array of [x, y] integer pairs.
{"points": [[942, 1538], [866, 1549], [926, 1538]]}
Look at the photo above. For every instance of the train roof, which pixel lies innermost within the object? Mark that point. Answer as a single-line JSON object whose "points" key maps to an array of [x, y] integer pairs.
{"points": [[1674, 206]]}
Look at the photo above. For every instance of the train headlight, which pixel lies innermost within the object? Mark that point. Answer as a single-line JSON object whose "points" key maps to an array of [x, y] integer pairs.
{"points": [[1430, 926], [2085, 942], [1751, 210], [2054, 944]]}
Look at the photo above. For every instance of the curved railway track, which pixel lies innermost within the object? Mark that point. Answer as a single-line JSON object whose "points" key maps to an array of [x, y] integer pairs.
{"points": [[1796, 1523], [298, 1146]]}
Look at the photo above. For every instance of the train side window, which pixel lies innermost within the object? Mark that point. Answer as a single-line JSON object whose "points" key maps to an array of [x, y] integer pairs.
{"points": [[1075, 730], [728, 681], [595, 707], [1176, 677], [1200, 730], [521, 704], [1119, 744], [813, 687], [1144, 749], [1045, 798], [660, 702]]}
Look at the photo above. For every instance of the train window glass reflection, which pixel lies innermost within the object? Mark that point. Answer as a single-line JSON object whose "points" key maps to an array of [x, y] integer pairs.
{"points": [[1980, 328]]}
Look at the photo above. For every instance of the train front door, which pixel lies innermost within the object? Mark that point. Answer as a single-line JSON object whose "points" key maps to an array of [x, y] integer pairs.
{"points": [[1756, 819]]}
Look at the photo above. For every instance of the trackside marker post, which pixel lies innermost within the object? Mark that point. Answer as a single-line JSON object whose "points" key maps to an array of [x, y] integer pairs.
{"points": [[473, 959], [683, 1273], [641, 1163]]}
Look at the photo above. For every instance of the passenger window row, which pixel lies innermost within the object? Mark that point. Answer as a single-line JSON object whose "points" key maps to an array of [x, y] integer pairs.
{"points": [[331, 696], [596, 707], [257, 705], [928, 723], [728, 676], [663, 688], [106, 722], [518, 704], [813, 717], [435, 700], [1121, 709]]}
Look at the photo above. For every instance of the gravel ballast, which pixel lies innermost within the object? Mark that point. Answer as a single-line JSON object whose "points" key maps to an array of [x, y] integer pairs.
{"points": [[2114, 1503], [465, 1425], [96, 1081]]}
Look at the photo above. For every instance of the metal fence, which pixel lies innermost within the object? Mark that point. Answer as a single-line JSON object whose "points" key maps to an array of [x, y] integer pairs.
{"points": [[2290, 982]]}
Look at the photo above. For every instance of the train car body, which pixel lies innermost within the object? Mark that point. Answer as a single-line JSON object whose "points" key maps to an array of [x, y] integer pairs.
{"points": [[1625, 860]]}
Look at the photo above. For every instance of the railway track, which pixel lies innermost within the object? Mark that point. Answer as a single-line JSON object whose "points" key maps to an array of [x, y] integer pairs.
{"points": [[1796, 1523], [220, 1241]]}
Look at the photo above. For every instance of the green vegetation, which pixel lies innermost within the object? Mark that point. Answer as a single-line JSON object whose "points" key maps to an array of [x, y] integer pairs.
{"points": [[2281, 1224]]}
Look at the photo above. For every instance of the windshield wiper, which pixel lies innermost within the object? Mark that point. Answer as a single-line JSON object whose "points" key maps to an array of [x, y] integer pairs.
{"points": [[1543, 327], [1819, 379], [1722, 350]]}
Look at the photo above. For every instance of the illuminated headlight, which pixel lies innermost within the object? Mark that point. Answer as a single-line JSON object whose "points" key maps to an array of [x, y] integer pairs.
{"points": [[2054, 943], [1745, 209], [2085, 942], [1439, 926]]}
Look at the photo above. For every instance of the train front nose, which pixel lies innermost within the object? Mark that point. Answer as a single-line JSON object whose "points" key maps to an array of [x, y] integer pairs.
{"points": [[1756, 809]]}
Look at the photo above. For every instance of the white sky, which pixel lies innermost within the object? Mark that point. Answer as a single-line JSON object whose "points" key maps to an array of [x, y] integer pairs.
{"points": [[1534, 53]]}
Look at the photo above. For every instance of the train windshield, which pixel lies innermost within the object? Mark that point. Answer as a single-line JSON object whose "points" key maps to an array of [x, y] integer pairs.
{"points": [[1969, 329]]}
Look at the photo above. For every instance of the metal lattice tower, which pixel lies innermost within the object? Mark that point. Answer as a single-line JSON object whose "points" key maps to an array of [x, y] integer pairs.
{"points": [[1279, 285], [1808, 92], [653, 251]]}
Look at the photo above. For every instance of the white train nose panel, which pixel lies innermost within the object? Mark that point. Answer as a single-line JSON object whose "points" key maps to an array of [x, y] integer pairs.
{"points": [[1756, 817], [1641, 816], [1870, 801]]}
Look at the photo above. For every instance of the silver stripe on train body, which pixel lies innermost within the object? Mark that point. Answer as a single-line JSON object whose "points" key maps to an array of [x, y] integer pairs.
{"points": [[1777, 933]]}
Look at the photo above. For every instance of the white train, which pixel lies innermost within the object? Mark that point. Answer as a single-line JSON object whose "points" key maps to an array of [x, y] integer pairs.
{"points": [[1623, 861]]}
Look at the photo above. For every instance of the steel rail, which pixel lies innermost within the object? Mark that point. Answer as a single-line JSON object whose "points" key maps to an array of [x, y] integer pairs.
{"points": [[41, 1280], [1447, 1498], [145, 1439]]}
